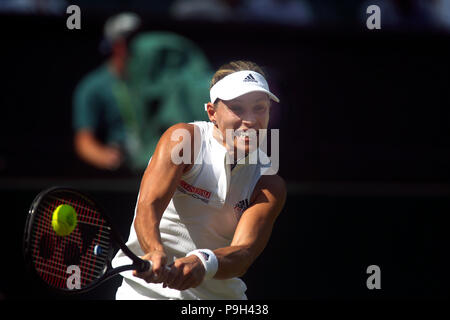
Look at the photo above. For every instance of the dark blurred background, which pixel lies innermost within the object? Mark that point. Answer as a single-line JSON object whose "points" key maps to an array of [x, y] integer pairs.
{"points": [[364, 135]]}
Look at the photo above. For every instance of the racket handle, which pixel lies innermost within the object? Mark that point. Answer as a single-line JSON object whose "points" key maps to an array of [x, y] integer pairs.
{"points": [[145, 266]]}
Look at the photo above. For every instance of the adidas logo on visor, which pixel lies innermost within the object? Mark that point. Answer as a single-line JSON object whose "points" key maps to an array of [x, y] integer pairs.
{"points": [[250, 78]]}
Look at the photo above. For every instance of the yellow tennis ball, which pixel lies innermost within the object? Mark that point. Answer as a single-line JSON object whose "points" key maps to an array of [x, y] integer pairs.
{"points": [[64, 220]]}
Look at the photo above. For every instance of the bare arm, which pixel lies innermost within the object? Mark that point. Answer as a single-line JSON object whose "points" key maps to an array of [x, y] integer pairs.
{"points": [[157, 188], [94, 152], [254, 228], [250, 238]]}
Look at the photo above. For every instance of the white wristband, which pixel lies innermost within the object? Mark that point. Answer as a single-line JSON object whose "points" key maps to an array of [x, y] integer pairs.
{"points": [[209, 261]]}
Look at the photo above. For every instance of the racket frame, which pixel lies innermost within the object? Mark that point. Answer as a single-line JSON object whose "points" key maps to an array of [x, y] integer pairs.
{"points": [[108, 272]]}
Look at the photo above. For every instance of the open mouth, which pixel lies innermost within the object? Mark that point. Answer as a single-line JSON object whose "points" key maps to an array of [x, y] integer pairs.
{"points": [[245, 133]]}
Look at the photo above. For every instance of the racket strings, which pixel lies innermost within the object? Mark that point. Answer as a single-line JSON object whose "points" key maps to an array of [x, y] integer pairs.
{"points": [[64, 250], [56, 266], [91, 212], [103, 235], [59, 248], [58, 263]]}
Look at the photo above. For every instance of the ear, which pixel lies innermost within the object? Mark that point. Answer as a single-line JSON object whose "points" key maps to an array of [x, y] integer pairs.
{"points": [[211, 111]]}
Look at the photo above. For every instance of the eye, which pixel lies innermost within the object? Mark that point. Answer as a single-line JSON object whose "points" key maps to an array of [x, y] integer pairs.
{"points": [[259, 108], [236, 109]]}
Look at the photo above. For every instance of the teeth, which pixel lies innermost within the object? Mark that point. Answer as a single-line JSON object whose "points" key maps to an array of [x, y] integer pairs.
{"points": [[242, 134]]}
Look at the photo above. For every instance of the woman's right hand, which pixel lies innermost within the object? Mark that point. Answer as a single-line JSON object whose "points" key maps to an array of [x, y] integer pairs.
{"points": [[159, 271]]}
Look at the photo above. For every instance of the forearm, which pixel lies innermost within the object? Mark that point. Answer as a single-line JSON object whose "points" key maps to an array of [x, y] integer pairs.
{"points": [[150, 208], [87, 146], [233, 261], [253, 230], [92, 151], [146, 225], [190, 271]]}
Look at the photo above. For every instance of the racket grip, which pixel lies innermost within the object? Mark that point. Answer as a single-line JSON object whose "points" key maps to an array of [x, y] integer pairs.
{"points": [[145, 266]]}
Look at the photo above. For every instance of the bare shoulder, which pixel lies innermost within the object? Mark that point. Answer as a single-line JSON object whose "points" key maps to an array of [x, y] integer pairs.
{"points": [[180, 132], [173, 139], [272, 188], [176, 141], [187, 132], [180, 127]]}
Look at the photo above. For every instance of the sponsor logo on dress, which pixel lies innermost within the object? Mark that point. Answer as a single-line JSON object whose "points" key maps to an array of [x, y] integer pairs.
{"points": [[194, 192], [240, 207]]}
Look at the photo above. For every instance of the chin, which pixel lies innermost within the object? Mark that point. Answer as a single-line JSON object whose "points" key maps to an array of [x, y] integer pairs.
{"points": [[244, 150]]}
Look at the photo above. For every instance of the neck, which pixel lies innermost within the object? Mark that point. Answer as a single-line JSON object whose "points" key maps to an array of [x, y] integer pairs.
{"points": [[217, 134], [117, 66]]}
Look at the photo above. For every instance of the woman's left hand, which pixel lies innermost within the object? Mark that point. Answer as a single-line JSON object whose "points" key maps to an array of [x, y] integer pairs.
{"points": [[187, 272]]}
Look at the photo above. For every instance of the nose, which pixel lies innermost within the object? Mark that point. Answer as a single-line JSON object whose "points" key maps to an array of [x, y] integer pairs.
{"points": [[249, 119]]}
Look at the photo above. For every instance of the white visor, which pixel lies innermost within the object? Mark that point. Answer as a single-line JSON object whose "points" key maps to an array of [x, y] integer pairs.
{"points": [[238, 83]]}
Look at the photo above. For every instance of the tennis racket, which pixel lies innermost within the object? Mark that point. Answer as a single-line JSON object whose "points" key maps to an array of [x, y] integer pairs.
{"points": [[81, 260]]}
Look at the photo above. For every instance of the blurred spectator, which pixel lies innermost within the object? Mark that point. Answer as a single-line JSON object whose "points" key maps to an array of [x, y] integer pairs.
{"points": [[410, 14], [213, 10], [441, 13], [289, 12], [98, 117], [34, 6], [151, 81], [144, 7], [292, 12], [169, 79]]}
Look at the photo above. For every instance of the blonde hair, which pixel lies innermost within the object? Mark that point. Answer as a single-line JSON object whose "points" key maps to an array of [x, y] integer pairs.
{"points": [[234, 66]]}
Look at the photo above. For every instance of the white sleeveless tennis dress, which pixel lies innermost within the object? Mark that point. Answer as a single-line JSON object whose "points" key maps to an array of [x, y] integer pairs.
{"points": [[203, 213]]}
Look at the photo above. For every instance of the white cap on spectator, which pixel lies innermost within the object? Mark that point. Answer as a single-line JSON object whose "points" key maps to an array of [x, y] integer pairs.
{"points": [[121, 25]]}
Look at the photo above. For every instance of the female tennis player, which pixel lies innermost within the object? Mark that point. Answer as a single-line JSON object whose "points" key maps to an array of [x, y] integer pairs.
{"points": [[203, 221]]}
